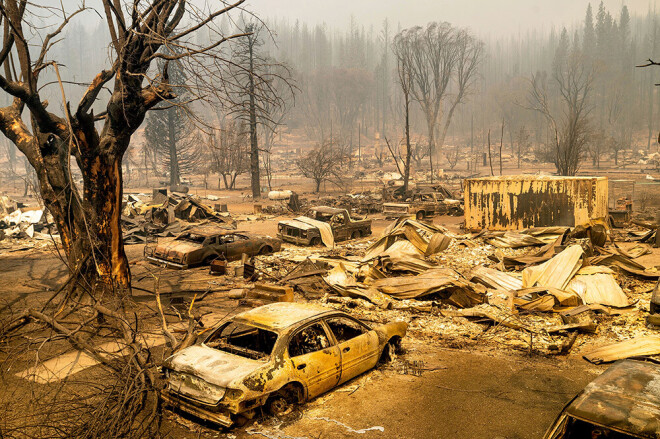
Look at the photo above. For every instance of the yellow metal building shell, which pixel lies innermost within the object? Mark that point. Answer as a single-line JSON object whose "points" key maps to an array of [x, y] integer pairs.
{"points": [[522, 201]]}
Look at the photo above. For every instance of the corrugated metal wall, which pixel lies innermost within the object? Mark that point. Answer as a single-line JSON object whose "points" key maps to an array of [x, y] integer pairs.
{"points": [[519, 202]]}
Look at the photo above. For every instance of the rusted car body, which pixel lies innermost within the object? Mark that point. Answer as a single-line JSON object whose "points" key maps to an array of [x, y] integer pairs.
{"points": [[201, 245], [303, 232], [622, 403], [422, 205], [273, 356]]}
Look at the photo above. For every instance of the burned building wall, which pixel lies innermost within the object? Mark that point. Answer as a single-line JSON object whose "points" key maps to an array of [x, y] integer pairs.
{"points": [[519, 202]]}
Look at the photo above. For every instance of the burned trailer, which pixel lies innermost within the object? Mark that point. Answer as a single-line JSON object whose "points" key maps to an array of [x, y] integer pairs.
{"points": [[524, 201]]}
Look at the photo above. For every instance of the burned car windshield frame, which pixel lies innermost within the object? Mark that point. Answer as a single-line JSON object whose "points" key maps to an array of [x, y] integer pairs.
{"points": [[265, 339], [191, 237], [280, 338]]}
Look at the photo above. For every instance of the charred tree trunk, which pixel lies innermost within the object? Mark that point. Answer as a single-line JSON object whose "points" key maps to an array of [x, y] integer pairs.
{"points": [[431, 128], [175, 173], [406, 172], [254, 145]]}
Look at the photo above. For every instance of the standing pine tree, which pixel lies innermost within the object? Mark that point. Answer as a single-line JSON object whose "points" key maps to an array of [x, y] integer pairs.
{"points": [[169, 131]]}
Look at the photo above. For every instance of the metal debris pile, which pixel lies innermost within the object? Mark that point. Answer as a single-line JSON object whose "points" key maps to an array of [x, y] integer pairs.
{"points": [[547, 290], [166, 215], [23, 227]]}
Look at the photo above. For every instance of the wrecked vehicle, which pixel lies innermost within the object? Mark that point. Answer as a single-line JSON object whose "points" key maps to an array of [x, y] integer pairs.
{"points": [[323, 225], [422, 205], [272, 357], [624, 402], [201, 245]]}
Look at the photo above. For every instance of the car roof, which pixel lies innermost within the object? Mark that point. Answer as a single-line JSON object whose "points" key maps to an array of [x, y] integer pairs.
{"points": [[625, 397], [327, 209], [281, 315]]}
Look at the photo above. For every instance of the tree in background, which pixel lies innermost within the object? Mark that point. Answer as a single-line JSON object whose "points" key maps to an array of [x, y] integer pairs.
{"points": [[563, 99], [229, 149], [256, 90], [443, 65], [170, 132], [404, 79], [323, 163]]}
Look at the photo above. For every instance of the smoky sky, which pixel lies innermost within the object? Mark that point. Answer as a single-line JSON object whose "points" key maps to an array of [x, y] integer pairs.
{"points": [[484, 17]]}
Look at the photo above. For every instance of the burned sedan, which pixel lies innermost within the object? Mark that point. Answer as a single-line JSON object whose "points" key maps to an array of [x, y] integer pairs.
{"points": [[272, 357], [201, 245], [622, 403]]}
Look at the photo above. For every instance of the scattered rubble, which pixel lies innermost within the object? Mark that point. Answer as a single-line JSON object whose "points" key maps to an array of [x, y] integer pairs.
{"points": [[539, 289]]}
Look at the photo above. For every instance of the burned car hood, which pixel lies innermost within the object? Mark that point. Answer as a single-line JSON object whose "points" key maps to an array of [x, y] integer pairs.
{"points": [[212, 365], [298, 224], [177, 248]]}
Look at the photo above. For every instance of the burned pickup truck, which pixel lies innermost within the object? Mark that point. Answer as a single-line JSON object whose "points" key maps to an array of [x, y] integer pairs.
{"points": [[323, 225], [422, 205], [201, 245]]}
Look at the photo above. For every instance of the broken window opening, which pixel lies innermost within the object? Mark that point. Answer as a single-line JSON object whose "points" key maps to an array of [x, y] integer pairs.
{"points": [[310, 339], [578, 429], [244, 340], [228, 239], [199, 239], [345, 329], [320, 216]]}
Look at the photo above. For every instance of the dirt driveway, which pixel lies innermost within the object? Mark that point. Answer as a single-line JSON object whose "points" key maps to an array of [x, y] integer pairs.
{"points": [[430, 392]]}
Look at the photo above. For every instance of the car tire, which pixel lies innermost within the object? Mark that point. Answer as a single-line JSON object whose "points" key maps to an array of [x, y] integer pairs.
{"points": [[355, 235], [391, 350], [281, 403], [209, 259], [420, 216], [266, 249], [277, 405], [316, 241]]}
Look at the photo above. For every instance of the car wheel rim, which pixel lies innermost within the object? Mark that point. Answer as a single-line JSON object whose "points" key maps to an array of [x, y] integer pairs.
{"points": [[279, 406]]}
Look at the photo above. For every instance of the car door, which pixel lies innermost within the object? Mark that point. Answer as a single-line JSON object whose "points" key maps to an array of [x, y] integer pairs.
{"points": [[339, 226], [230, 247], [315, 358], [246, 244], [220, 246], [358, 346], [217, 246]]}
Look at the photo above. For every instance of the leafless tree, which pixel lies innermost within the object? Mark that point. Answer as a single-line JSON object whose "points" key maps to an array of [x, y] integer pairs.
{"points": [[275, 112], [523, 141], [323, 163], [170, 131], [442, 58], [404, 79], [88, 222], [229, 149], [259, 90], [452, 156], [92, 307], [568, 114]]}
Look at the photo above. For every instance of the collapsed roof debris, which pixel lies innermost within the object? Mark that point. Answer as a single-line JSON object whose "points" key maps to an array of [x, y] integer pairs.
{"points": [[550, 282], [166, 216]]}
